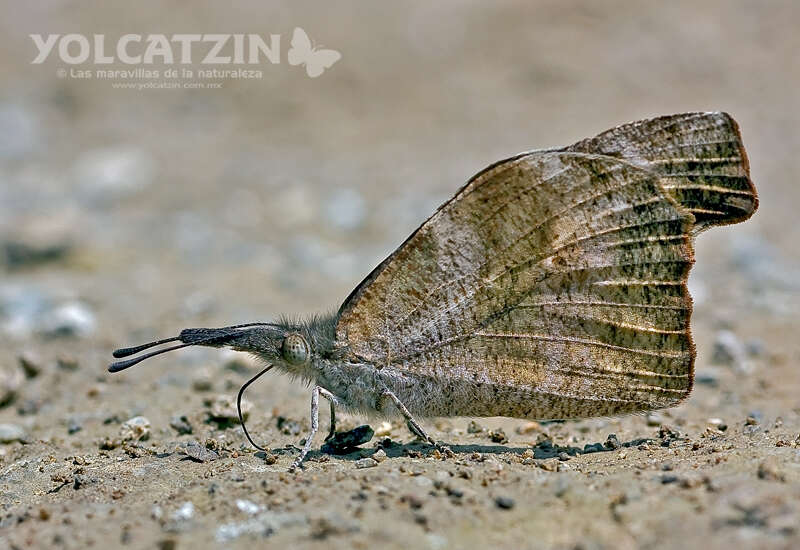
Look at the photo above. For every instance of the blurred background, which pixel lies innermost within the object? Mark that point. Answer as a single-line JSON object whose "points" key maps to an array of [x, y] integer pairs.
{"points": [[128, 214]]}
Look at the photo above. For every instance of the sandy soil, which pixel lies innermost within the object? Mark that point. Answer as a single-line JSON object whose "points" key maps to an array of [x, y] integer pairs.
{"points": [[129, 214]]}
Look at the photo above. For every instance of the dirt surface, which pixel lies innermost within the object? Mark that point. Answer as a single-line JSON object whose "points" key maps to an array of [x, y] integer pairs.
{"points": [[127, 215]]}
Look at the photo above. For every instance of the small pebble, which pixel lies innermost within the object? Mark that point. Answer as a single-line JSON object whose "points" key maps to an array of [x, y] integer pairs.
{"points": [[498, 436], [203, 382], [330, 525], [185, 512], [384, 429], [26, 252], [223, 409], [31, 364], [73, 426], [718, 423], [474, 428], [270, 458], [346, 442], [10, 433], [136, 428], [730, 351], [549, 465], [562, 485], [288, 426], [248, 507], [528, 428], [366, 463], [66, 362], [423, 481], [654, 419], [72, 319], [770, 470], [237, 363], [691, 481], [379, 455], [28, 407], [80, 480], [707, 376], [612, 442], [593, 448], [110, 173], [665, 431], [11, 380], [413, 501], [756, 348], [504, 503], [180, 424]]}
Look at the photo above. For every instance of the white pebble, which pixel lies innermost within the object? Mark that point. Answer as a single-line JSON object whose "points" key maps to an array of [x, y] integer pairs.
{"points": [[379, 455], [11, 432], [71, 319], [384, 429], [366, 463], [248, 507], [137, 428], [114, 172], [185, 512]]}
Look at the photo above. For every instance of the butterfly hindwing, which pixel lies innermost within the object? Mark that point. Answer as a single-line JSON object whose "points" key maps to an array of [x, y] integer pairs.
{"points": [[699, 158]]}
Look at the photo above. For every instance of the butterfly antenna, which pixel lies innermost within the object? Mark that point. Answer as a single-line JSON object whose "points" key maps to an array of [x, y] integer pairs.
{"points": [[239, 407]]}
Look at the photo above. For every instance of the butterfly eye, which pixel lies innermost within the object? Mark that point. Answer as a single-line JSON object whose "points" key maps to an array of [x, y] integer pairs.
{"points": [[295, 350]]}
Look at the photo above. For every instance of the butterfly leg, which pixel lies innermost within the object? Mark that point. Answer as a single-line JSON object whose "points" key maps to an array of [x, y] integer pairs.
{"points": [[414, 430], [314, 427], [332, 400], [413, 425]]}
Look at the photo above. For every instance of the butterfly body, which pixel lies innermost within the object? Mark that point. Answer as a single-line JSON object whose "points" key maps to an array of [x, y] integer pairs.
{"points": [[552, 285]]}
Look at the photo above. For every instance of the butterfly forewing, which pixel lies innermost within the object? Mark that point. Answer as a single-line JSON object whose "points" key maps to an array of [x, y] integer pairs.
{"points": [[561, 275]]}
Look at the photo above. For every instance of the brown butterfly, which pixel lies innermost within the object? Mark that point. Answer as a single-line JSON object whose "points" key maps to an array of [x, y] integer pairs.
{"points": [[551, 286]]}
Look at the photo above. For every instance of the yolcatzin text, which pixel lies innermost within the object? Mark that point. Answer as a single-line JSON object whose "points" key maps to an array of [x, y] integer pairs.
{"points": [[137, 49]]}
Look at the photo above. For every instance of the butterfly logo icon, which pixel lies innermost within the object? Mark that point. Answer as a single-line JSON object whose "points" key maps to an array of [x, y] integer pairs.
{"points": [[316, 60]]}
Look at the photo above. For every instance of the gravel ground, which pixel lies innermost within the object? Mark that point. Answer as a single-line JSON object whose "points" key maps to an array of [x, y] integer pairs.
{"points": [[127, 215]]}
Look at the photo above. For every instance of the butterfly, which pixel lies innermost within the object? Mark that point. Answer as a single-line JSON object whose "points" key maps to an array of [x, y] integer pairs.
{"points": [[316, 60], [552, 285]]}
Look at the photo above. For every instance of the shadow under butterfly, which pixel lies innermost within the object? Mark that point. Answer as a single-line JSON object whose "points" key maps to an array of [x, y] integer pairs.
{"points": [[551, 286]]}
